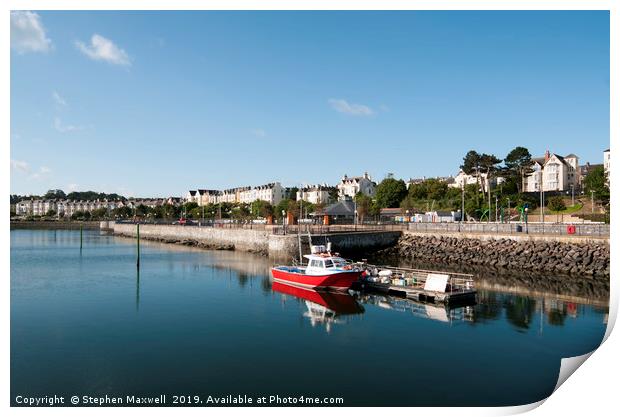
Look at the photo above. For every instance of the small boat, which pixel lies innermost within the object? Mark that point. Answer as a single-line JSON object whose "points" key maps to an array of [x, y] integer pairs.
{"points": [[323, 271]]}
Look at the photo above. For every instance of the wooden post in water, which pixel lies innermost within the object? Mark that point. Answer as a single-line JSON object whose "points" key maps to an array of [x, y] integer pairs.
{"points": [[138, 244], [81, 233]]}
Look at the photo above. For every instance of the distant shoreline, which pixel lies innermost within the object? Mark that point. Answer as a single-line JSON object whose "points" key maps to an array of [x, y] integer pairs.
{"points": [[23, 224]]}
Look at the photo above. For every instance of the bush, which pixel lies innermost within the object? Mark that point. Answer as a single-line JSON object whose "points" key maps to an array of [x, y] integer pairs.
{"points": [[556, 204]]}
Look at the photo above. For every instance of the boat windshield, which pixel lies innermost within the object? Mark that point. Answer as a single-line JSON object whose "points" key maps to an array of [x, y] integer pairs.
{"points": [[339, 262], [329, 263]]}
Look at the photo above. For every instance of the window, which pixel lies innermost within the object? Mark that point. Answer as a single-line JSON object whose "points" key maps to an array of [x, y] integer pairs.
{"points": [[329, 264]]}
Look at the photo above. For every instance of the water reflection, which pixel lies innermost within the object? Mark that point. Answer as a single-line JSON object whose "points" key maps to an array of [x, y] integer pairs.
{"points": [[137, 289], [324, 308], [436, 312]]}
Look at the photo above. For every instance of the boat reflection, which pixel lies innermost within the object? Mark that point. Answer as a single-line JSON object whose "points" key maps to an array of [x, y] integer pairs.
{"points": [[323, 307]]}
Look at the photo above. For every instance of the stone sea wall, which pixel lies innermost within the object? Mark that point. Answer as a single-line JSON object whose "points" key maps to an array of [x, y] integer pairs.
{"points": [[71, 225], [585, 258]]}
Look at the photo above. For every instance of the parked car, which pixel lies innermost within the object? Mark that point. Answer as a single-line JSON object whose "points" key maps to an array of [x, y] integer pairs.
{"points": [[184, 222]]}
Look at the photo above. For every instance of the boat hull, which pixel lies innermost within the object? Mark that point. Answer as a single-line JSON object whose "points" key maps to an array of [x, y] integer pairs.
{"points": [[339, 281]]}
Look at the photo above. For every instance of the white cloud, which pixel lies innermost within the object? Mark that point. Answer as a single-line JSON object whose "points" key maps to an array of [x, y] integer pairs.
{"points": [[343, 106], [103, 49], [259, 133], [28, 33], [72, 187], [43, 171], [59, 99], [21, 166], [65, 128]]}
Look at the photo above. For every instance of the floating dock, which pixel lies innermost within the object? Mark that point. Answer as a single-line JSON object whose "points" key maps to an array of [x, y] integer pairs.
{"points": [[420, 285]]}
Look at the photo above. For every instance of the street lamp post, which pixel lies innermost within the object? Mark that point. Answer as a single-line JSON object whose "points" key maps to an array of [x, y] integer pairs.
{"points": [[495, 209], [572, 189], [284, 221], [526, 229], [542, 198], [508, 209], [592, 200], [462, 201], [489, 191]]}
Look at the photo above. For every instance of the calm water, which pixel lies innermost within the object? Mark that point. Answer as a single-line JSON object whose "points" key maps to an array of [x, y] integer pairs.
{"points": [[209, 323]]}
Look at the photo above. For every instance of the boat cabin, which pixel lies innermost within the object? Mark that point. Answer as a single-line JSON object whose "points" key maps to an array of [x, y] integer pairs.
{"points": [[325, 263]]}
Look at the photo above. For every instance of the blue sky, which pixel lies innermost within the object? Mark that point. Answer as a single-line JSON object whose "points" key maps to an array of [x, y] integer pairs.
{"points": [[156, 103]]}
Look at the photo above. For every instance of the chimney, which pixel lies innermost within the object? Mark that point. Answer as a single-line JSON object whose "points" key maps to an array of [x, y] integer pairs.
{"points": [[547, 155]]}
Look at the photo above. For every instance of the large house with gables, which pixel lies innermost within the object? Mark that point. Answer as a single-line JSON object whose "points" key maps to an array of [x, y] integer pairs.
{"points": [[553, 172]]}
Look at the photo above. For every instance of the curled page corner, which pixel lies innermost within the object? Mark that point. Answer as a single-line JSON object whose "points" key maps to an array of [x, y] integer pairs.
{"points": [[568, 366]]}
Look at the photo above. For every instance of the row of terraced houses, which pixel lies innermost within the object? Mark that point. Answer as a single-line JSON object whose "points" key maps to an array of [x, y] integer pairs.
{"points": [[62, 208], [274, 192]]}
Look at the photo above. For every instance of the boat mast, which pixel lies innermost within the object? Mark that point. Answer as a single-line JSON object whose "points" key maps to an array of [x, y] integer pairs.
{"points": [[301, 207]]}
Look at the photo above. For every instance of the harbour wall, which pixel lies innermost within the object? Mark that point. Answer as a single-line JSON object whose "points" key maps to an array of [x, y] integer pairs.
{"points": [[534, 254], [210, 237], [71, 225], [257, 241]]}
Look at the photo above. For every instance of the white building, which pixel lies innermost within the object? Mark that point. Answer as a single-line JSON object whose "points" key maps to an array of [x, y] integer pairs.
{"points": [[192, 196], [315, 194], [350, 186], [463, 179], [205, 197], [62, 207], [552, 173], [415, 181], [273, 193], [24, 207]]}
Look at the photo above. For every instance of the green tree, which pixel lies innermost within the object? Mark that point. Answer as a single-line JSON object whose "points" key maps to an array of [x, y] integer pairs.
{"points": [[418, 191], [142, 210], [285, 205], [189, 206], [261, 208], [436, 189], [471, 166], [55, 195], [596, 181], [51, 213], [292, 193], [556, 203], [123, 212], [363, 204], [100, 213], [408, 204], [333, 195], [518, 164], [471, 162], [390, 192]]}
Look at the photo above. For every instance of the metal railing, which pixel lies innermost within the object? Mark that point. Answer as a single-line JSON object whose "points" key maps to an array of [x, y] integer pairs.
{"points": [[513, 228], [317, 229], [593, 230]]}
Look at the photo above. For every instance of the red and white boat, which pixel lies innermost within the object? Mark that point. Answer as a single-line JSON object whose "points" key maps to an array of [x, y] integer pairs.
{"points": [[323, 271]]}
